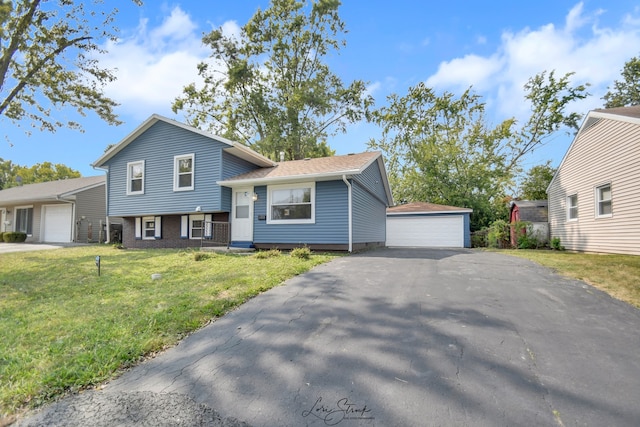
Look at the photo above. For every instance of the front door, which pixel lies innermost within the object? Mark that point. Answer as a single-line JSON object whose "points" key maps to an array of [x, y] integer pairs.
{"points": [[242, 215]]}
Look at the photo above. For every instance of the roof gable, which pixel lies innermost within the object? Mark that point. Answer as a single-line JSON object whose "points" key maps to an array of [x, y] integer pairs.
{"points": [[629, 115], [233, 148], [51, 190]]}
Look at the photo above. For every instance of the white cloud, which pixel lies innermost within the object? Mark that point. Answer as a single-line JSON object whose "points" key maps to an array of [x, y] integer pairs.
{"points": [[595, 54], [154, 64]]}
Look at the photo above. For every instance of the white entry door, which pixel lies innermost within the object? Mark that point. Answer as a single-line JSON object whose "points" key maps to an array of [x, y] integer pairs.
{"points": [[242, 215]]}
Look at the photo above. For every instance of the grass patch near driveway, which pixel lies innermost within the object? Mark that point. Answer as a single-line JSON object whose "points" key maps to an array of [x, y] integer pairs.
{"points": [[618, 275], [63, 328]]}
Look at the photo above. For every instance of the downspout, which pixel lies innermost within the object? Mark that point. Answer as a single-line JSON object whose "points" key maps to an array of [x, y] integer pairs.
{"points": [[346, 181]]}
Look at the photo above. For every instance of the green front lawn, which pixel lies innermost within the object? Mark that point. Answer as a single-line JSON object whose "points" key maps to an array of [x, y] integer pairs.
{"points": [[618, 275], [63, 328]]}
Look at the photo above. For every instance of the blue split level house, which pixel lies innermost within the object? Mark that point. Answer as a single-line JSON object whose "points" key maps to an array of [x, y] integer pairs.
{"points": [[173, 186]]}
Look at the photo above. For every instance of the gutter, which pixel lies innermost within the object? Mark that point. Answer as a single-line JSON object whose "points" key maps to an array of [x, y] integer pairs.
{"points": [[346, 181]]}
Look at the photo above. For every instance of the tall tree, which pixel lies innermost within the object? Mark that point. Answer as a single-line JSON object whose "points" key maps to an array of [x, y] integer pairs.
{"points": [[47, 61], [535, 182], [271, 88], [40, 172], [625, 92], [440, 148]]}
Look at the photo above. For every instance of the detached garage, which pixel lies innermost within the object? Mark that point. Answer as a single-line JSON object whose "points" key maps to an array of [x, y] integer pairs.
{"points": [[422, 224]]}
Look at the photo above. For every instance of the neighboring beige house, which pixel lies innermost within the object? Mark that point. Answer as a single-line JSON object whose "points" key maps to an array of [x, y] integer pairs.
{"points": [[594, 197], [69, 210]]}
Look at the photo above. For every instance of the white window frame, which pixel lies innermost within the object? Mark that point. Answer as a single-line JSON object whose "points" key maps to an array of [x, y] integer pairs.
{"points": [[571, 207], [15, 218], [176, 172], [271, 188], [130, 166], [145, 220], [600, 201], [192, 218]]}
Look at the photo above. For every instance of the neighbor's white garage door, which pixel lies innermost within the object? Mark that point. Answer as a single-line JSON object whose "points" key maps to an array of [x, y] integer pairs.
{"points": [[57, 223], [426, 231]]}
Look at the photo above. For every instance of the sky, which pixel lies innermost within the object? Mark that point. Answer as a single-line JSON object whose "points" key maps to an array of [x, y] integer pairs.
{"points": [[493, 46]]}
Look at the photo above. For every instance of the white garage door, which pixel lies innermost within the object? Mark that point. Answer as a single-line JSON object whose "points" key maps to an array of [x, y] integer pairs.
{"points": [[57, 223], [426, 231]]}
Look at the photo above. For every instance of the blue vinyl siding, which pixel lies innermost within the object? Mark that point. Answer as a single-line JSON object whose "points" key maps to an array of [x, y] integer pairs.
{"points": [[157, 146], [331, 219], [369, 216], [467, 230], [232, 166], [371, 179]]}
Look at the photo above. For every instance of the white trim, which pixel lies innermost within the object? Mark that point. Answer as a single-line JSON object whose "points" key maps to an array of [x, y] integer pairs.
{"points": [[158, 233], [569, 206], [144, 221], [138, 228], [15, 218], [196, 217], [176, 172], [129, 177], [184, 227], [310, 185], [597, 189]]}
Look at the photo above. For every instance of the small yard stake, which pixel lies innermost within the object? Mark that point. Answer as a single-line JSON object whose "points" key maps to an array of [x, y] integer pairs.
{"points": [[98, 264]]}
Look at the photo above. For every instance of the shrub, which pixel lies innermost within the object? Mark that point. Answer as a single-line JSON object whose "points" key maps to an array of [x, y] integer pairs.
{"points": [[479, 238], [200, 256], [1, 239], [302, 253], [498, 235], [14, 236], [555, 244], [271, 253]]}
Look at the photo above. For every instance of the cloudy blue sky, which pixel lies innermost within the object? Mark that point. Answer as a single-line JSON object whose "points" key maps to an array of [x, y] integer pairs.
{"points": [[494, 46]]}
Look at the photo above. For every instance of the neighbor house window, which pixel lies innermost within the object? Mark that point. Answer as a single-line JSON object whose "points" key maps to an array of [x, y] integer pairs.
{"points": [[135, 177], [183, 167], [603, 198], [291, 204], [572, 207], [24, 220]]}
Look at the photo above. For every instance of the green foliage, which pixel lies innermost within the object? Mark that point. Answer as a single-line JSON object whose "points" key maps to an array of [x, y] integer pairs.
{"points": [[302, 253], [269, 87], [498, 234], [14, 237], [48, 61], [535, 183], [440, 149], [625, 92], [1, 238], [556, 245], [271, 253], [479, 238], [40, 172]]}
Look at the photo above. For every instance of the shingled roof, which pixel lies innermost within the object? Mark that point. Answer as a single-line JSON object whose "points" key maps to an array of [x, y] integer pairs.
{"points": [[47, 191], [424, 207], [309, 168]]}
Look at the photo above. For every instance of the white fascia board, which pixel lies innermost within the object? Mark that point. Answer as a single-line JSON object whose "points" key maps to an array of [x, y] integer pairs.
{"points": [[462, 211]]}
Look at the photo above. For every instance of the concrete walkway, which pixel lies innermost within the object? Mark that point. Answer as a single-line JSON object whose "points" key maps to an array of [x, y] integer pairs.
{"points": [[399, 337]]}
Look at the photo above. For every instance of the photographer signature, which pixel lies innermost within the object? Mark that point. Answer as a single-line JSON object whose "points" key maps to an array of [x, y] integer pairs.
{"points": [[333, 414]]}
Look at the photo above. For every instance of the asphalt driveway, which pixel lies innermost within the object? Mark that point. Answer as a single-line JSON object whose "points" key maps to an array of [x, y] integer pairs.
{"points": [[400, 337]]}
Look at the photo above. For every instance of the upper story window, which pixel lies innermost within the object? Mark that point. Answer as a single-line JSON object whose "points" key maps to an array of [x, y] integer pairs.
{"points": [[603, 201], [572, 207], [291, 204], [24, 220], [135, 177], [183, 167]]}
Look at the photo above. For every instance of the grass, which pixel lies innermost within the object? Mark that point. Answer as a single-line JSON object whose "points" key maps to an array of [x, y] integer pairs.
{"points": [[618, 275], [63, 328]]}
